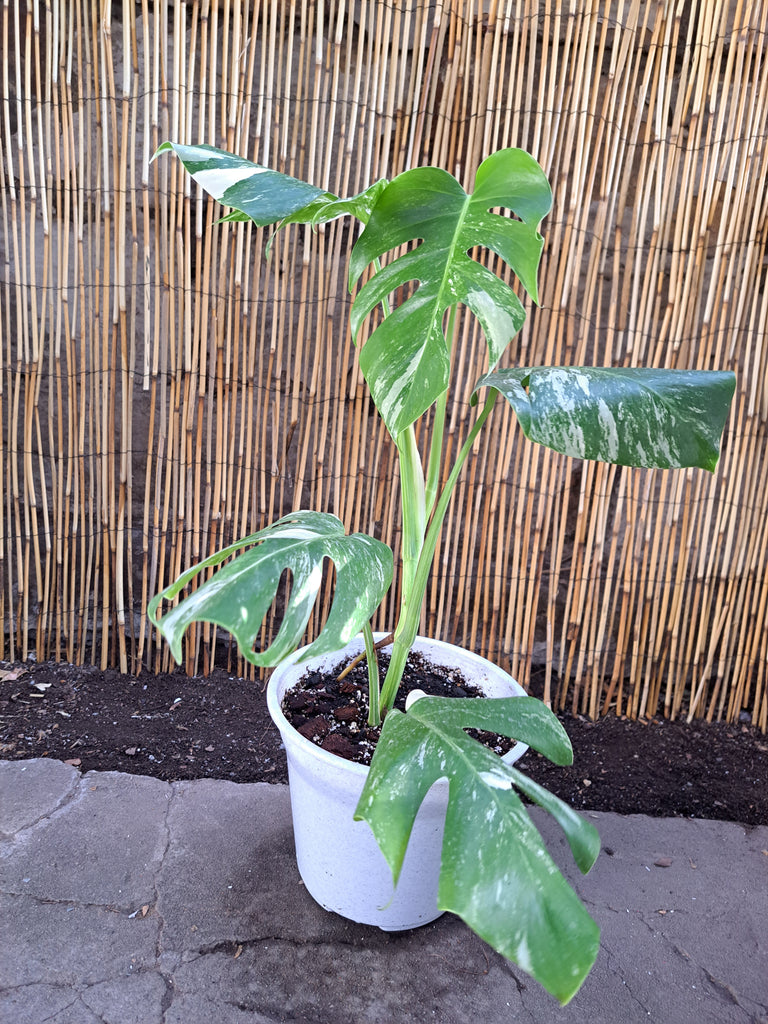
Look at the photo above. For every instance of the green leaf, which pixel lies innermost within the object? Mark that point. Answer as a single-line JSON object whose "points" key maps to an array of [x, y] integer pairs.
{"points": [[235, 217], [496, 872], [631, 417], [406, 360], [239, 594], [329, 207], [261, 194], [265, 196]]}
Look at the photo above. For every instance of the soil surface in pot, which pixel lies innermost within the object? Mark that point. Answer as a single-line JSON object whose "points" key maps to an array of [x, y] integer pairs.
{"points": [[333, 712], [175, 727]]}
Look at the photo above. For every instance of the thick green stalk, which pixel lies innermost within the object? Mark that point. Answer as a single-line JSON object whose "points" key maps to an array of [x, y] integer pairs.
{"points": [[412, 490], [413, 499], [435, 453], [414, 524], [408, 626], [414, 511]]}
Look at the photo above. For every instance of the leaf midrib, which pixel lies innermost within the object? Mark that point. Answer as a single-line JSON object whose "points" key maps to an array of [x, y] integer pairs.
{"points": [[452, 248]]}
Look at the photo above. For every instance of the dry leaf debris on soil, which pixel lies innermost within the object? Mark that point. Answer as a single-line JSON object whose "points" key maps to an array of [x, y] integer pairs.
{"points": [[174, 727]]}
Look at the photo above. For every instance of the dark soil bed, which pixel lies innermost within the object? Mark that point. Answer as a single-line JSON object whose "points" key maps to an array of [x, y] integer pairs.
{"points": [[174, 727]]}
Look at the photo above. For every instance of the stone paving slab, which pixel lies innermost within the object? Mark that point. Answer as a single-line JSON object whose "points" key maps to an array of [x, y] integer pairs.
{"points": [[101, 845], [126, 899], [33, 790]]}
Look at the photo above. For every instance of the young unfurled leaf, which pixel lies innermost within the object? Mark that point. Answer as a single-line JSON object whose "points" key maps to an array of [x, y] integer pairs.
{"points": [[622, 415], [262, 195], [239, 594], [496, 872], [328, 207], [406, 361]]}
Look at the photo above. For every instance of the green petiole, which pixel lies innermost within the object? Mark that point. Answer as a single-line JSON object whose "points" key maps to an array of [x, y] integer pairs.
{"points": [[374, 714], [408, 626]]}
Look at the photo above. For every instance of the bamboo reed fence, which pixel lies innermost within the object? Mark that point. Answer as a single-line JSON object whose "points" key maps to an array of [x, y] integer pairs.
{"points": [[166, 389]]}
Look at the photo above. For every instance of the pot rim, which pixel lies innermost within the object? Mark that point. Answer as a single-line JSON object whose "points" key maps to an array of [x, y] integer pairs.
{"points": [[334, 760]]}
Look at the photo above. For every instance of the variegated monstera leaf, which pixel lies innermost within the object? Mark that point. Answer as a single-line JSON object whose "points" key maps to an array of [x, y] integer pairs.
{"points": [[496, 872], [621, 415], [239, 594]]}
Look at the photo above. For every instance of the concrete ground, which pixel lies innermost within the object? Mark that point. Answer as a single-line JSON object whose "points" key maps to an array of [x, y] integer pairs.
{"points": [[126, 900]]}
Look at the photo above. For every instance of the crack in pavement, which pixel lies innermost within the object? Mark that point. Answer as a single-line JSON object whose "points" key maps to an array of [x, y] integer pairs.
{"points": [[723, 990], [724, 987], [167, 979], [78, 991], [617, 969], [230, 947], [19, 834], [729, 993], [522, 992], [129, 910], [81, 991], [61, 1009]]}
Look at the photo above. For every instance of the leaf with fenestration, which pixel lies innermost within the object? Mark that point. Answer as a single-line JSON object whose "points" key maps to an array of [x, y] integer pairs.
{"points": [[406, 360], [238, 596], [628, 416], [496, 872]]}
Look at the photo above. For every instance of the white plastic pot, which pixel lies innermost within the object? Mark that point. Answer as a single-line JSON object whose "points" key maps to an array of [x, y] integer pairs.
{"points": [[338, 859]]}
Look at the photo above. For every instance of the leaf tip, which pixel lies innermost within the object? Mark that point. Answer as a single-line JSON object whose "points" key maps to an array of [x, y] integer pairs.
{"points": [[164, 147]]}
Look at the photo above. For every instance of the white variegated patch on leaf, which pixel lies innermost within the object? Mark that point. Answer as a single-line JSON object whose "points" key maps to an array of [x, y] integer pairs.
{"points": [[264, 196], [258, 193]]}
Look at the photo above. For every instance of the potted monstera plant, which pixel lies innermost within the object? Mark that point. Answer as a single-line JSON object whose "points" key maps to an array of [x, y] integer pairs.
{"points": [[430, 781]]}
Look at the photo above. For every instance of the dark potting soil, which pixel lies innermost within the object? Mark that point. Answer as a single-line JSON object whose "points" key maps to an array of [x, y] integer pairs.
{"points": [[175, 727], [333, 713]]}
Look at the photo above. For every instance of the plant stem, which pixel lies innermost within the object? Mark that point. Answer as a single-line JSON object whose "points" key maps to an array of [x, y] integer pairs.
{"points": [[435, 451], [384, 642], [413, 498], [408, 626], [374, 714], [414, 511]]}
